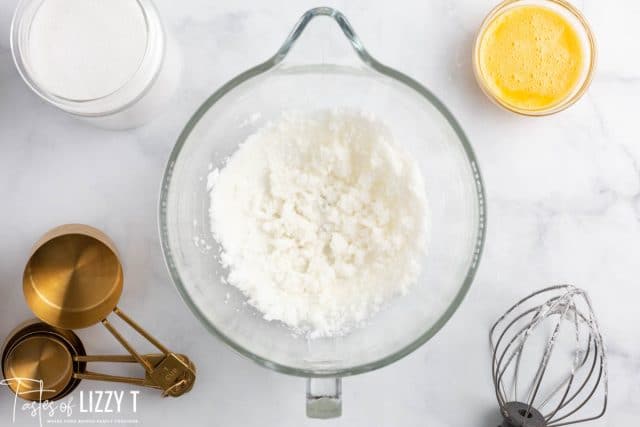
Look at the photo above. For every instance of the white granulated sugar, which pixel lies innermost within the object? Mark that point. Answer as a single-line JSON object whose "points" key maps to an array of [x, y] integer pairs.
{"points": [[86, 49], [321, 218]]}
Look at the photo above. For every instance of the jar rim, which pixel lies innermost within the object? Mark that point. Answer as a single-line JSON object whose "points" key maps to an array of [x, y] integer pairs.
{"points": [[583, 83], [138, 84]]}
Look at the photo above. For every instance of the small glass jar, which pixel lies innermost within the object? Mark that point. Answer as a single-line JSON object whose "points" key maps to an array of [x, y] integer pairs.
{"points": [[576, 20], [133, 103]]}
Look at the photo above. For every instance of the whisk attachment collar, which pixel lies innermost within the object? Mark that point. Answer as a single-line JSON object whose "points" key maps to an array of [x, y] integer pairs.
{"points": [[518, 414]]}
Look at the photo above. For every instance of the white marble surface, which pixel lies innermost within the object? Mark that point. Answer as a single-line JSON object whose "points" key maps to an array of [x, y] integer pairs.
{"points": [[563, 199]]}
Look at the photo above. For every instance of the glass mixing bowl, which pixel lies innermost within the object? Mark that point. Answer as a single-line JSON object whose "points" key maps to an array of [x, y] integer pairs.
{"points": [[420, 123]]}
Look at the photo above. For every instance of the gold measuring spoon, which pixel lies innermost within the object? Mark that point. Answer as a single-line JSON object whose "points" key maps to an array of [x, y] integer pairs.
{"points": [[74, 280], [41, 362]]}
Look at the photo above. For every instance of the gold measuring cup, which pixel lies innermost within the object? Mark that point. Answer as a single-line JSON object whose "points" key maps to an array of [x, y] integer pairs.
{"points": [[37, 365], [74, 280], [41, 362]]}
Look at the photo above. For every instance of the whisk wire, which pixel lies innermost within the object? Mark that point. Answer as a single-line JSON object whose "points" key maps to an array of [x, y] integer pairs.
{"points": [[518, 350], [578, 362], [542, 368], [584, 383]]}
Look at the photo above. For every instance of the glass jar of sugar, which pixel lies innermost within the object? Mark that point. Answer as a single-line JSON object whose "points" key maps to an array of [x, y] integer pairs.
{"points": [[106, 61]]}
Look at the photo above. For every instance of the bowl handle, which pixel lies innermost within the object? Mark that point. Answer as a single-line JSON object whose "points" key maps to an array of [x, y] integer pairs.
{"points": [[324, 397], [342, 22]]}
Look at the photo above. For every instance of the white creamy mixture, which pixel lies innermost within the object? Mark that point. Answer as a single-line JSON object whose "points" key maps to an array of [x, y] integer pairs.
{"points": [[321, 218], [86, 49]]}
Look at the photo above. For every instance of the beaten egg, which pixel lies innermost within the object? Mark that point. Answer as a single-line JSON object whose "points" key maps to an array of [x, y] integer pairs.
{"points": [[531, 58]]}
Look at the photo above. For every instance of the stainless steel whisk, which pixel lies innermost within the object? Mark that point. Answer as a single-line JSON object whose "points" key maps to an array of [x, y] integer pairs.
{"points": [[568, 376]]}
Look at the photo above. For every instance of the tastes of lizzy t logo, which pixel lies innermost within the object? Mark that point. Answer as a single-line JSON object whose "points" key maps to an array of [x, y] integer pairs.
{"points": [[91, 407]]}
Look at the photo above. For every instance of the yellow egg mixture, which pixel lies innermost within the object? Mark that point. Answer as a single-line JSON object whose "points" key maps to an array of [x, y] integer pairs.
{"points": [[531, 57]]}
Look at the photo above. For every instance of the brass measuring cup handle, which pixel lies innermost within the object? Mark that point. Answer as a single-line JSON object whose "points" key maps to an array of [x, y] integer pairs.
{"points": [[147, 366], [95, 376], [173, 373], [179, 387]]}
